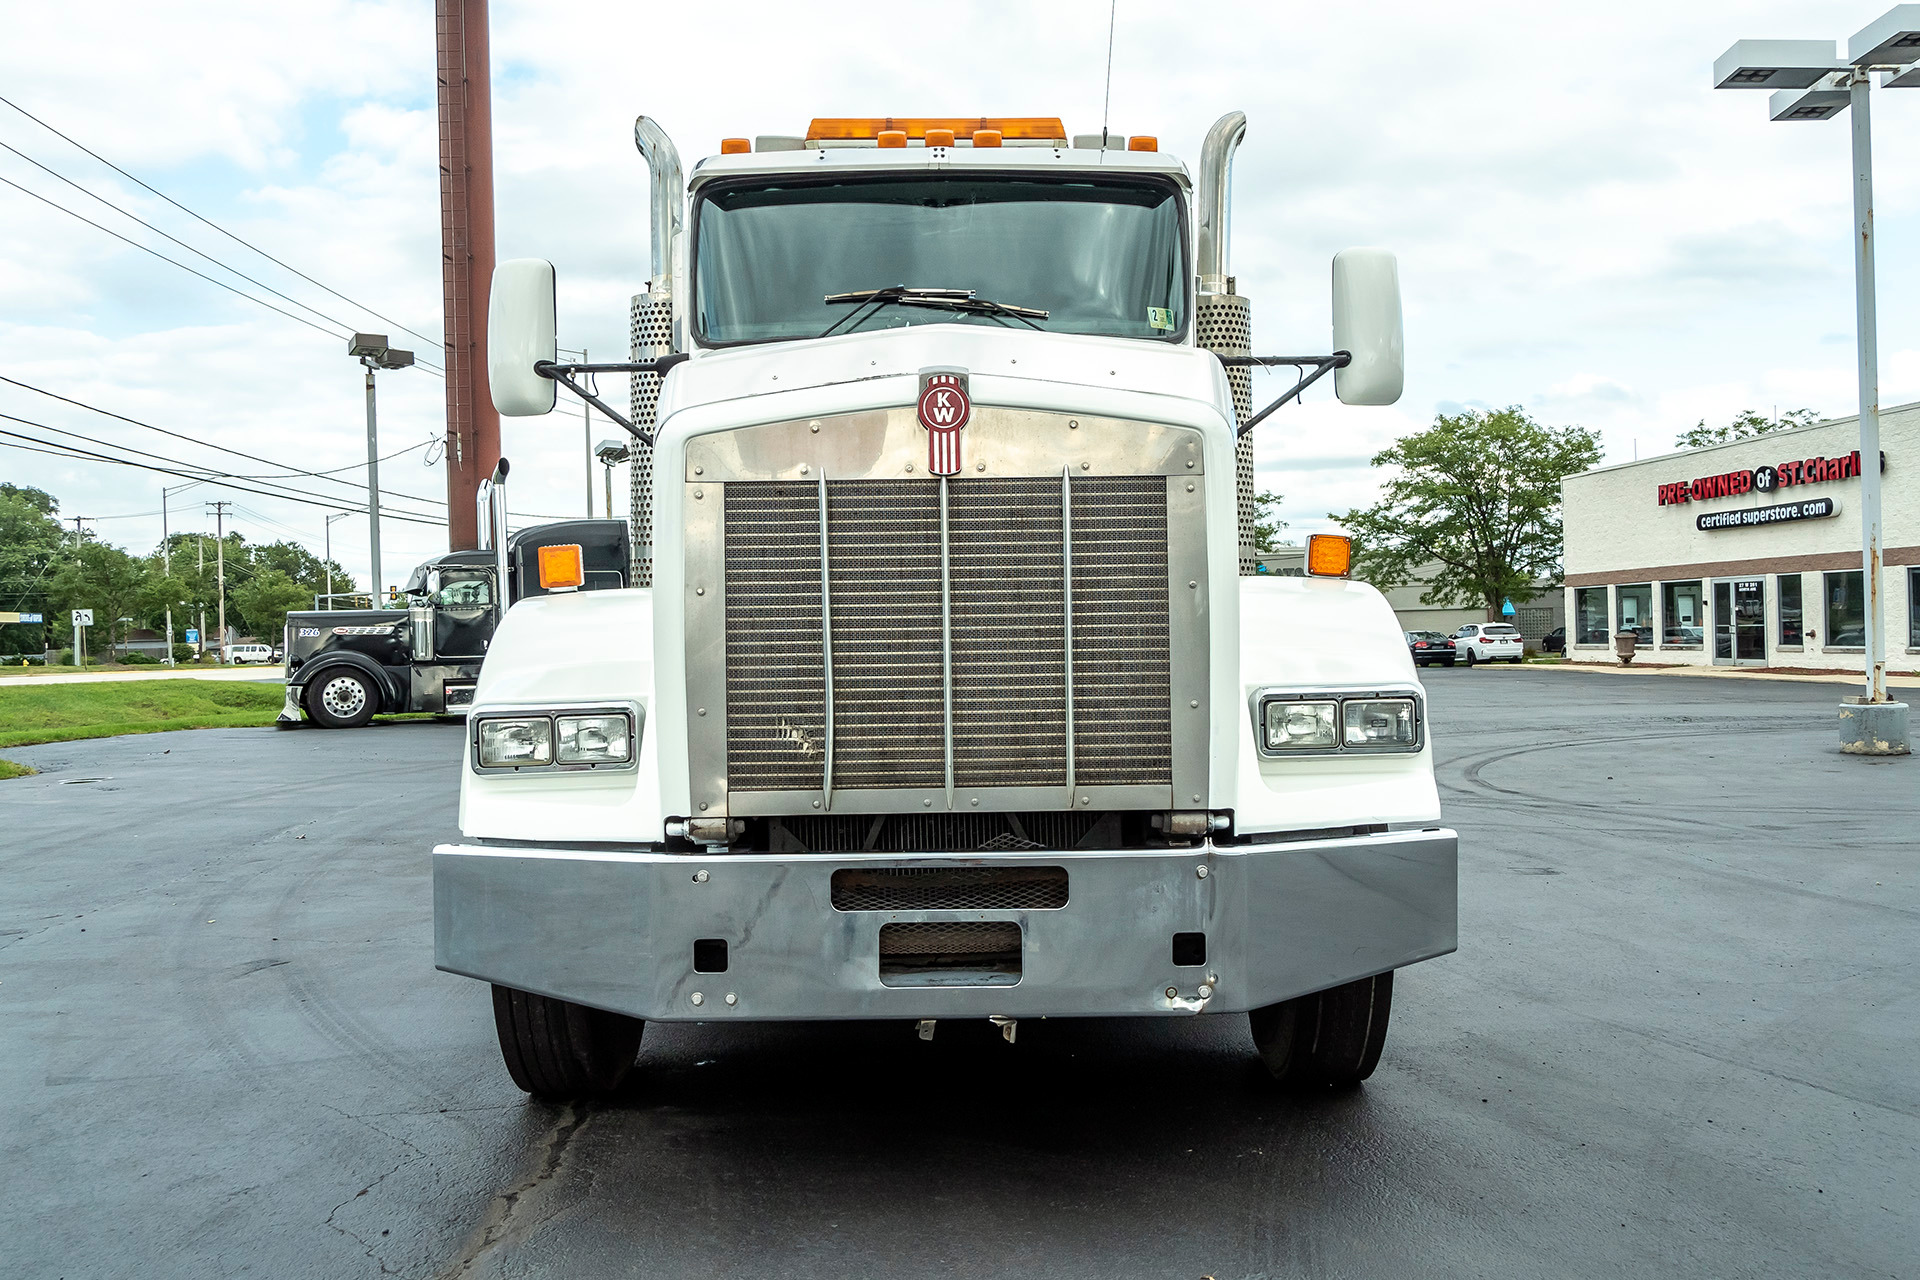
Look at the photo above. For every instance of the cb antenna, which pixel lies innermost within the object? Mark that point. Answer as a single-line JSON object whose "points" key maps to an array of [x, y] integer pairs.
{"points": [[1106, 101]]}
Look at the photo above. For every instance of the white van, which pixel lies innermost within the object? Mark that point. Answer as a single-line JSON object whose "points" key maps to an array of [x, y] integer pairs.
{"points": [[243, 653]]}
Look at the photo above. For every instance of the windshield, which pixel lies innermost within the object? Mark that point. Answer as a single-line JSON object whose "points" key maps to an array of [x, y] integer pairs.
{"points": [[1101, 256]]}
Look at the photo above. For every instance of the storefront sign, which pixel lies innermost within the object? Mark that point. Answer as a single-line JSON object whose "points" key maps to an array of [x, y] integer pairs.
{"points": [[1731, 484], [1811, 509]]}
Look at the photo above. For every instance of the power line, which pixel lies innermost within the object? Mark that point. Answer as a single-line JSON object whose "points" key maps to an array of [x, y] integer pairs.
{"points": [[208, 474], [74, 452], [207, 444], [189, 248], [216, 226]]}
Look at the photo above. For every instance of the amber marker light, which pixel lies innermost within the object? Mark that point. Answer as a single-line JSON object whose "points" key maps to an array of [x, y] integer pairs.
{"points": [[986, 138], [560, 568], [939, 137], [892, 138], [1143, 143], [735, 146], [1329, 555]]}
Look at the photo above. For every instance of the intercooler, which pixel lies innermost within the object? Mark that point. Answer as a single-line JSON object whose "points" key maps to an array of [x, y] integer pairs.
{"points": [[947, 642]]}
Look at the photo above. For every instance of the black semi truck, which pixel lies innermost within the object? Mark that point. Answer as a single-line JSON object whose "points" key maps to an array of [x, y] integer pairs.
{"points": [[345, 666]]}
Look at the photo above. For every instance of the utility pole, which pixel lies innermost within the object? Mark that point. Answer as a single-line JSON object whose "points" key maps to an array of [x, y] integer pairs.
{"points": [[166, 556], [586, 429], [220, 554], [200, 545], [466, 257]]}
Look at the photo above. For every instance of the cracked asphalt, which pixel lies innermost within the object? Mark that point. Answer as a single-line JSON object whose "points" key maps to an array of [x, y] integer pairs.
{"points": [[1678, 1039]]}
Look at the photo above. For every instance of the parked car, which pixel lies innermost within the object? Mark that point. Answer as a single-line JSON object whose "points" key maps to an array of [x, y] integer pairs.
{"points": [[240, 654], [1488, 642], [1555, 641], [1429, 647]]}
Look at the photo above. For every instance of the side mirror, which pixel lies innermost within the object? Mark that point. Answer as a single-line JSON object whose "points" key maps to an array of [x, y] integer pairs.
{"points": [[1366, 322], [520, 331]]}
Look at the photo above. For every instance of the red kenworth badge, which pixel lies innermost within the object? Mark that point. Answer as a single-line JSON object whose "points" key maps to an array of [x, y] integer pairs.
{"points": [[944, 410]]}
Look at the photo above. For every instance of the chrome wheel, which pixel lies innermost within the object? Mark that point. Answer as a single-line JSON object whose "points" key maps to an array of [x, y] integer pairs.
{"points": [[344, 696]]}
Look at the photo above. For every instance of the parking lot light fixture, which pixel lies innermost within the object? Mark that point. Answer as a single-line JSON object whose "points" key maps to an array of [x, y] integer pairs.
{"points": [[1871, 725]]}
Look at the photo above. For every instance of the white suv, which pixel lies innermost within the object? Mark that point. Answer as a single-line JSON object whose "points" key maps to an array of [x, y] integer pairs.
{"points": [[243, 653], [1488, 642]]}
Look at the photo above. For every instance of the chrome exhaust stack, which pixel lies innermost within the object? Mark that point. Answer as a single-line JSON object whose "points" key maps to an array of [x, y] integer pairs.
{"points": [[1223, 318], [490, 520], [654, 330]]}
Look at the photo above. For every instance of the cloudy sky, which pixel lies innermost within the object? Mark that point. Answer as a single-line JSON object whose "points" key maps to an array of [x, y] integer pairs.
{"points": [[1584, 228]]}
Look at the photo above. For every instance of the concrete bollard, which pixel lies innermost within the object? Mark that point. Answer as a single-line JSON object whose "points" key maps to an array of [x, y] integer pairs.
{"points": [[1873, 728]]}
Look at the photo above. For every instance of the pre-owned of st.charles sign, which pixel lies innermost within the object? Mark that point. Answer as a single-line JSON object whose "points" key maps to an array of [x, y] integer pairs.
{"points": [[1764, 479]]}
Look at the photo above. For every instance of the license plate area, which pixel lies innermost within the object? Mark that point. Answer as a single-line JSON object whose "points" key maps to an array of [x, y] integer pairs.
{"points": [[950, 953]]}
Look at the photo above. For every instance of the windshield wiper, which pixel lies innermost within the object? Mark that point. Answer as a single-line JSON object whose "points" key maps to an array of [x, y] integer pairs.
{"points": [[962, 300]]}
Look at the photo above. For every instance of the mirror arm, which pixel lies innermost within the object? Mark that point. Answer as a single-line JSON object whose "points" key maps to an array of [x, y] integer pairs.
{"points": [[560, 373], [1321, 364]]}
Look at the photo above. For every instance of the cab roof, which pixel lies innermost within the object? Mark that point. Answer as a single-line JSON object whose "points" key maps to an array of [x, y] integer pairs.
{"points": [[1064, 157]]}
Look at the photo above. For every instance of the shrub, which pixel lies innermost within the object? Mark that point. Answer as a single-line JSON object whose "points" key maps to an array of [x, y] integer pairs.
{"points": [[65, 658], [137, 659], [183, 653]]}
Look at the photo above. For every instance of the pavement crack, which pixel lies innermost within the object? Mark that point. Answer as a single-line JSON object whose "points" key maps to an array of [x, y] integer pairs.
{"points": [[355, 1236], [511, 1209]]}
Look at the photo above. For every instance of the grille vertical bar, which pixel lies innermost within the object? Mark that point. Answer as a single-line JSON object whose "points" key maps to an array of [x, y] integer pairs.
{"points": [[1066, 611]]}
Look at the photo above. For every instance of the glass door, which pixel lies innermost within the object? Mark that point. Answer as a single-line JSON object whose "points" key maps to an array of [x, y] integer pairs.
{"points": [[1740, 621]]}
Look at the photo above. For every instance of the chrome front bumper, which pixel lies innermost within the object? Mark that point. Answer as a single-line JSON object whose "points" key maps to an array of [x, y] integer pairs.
{"points": [[615, 930]]}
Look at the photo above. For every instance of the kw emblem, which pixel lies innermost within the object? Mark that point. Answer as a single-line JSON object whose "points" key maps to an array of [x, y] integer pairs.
{"points": [[944, 410]]}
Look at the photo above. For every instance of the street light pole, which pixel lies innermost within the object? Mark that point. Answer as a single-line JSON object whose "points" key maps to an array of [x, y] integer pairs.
{"points": [[1812, 84], [338, 515], [166, 556], [1872, 570], [371, 350]]}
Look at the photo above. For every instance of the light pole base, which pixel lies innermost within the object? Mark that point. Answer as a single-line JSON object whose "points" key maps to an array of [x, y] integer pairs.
{"points": [[1873, 728]]}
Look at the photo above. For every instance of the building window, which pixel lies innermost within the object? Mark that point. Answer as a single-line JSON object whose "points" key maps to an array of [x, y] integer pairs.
{"points": [[1590, 615], [1636, 611], [1683, 618], [1791, 631], [1913, 608], [1846, 611]]}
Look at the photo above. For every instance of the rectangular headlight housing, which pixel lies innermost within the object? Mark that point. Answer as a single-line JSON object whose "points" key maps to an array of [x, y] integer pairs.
{"points": [[1380, 724], [1301, 726], [595, 739], [515, 743], [1373, 721]]}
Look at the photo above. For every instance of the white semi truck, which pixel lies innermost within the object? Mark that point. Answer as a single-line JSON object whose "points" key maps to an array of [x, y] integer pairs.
{"points": [[946, 690]]}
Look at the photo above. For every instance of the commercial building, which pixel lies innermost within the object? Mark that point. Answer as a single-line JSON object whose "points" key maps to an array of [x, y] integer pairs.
{"points": [[1746, 552], [1535, 617]]}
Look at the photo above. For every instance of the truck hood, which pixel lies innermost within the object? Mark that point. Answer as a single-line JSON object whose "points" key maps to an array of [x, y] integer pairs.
{"points": [[1052, 362]]}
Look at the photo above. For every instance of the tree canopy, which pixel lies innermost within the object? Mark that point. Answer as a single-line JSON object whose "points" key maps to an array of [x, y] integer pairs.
{"points": [[46, 569], [1745, 425], [1473, 505]]}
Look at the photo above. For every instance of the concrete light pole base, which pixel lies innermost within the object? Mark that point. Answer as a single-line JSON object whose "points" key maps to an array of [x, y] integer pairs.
{"points": [[1873, 728]]}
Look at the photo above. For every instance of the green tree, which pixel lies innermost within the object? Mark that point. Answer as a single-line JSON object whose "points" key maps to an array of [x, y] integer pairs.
{"points": [[1267, 523], [31, 543], [265, 600], [1745, 425], [1478, 495], [104, 579]]}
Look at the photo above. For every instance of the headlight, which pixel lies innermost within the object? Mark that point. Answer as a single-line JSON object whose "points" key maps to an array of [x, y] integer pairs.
{"points": [[594, 739], [1365, 721], [505, 743], [1301, 726], [1379, 724]]}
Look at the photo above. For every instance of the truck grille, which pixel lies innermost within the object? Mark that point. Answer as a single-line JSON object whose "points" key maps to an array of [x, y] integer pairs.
{"points": [[973, 626], [950, 889]]}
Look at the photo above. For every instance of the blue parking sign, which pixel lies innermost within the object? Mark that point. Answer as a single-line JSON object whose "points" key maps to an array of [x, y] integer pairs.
{"points": [[193, 635]]}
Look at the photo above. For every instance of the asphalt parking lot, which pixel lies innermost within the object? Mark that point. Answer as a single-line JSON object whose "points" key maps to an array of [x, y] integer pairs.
{"points": [[1678, 1039]]}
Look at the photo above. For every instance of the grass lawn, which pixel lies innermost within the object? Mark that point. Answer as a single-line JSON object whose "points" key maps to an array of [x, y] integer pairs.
{"points": [[62, 712], [8, 769]]}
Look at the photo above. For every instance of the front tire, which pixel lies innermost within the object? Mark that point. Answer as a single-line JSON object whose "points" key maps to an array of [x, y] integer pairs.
{"points": [[1328, 1040], [342, 699], [563, 1052]]}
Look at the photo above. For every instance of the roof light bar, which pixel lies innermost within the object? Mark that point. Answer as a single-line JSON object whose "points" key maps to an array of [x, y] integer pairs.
{"points": [[869, 129]]}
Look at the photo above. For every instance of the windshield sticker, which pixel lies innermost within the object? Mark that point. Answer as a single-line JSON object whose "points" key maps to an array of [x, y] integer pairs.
{"points": [[1160, 317]]}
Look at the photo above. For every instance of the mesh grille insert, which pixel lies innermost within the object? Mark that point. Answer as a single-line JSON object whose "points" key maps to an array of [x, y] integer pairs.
{"points": [[971, 953], [950, 889], [937, 832]]}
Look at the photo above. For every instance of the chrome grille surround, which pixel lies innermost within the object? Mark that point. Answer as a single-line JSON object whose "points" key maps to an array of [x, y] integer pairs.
{"points": [[865, 638]]}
